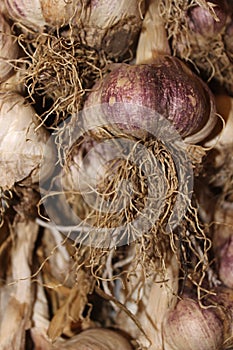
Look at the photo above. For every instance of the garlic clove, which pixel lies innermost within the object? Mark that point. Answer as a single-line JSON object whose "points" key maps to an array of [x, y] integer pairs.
{"points": [[9, 50]]}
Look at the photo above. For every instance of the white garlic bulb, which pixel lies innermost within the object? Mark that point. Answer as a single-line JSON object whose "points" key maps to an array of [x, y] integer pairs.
{"points": [[21, 145]]}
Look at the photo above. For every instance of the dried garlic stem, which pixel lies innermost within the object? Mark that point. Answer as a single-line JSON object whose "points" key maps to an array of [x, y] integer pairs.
{"points": [[162, 298], [73, 307], [149, 300], [16, 318], [153, 37]]}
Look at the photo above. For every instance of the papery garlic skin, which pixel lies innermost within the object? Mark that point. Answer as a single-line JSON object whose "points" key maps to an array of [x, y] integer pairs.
{"points": [[26, 11], [60, 12], [9, 49], [190, 327], [21, 146], [39, 13]]}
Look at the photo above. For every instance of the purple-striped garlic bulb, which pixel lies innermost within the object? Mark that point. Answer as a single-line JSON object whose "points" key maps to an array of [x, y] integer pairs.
{"points": [[166, 88]]}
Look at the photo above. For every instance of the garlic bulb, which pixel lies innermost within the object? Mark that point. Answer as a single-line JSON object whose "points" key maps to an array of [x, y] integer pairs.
{"points": [[226, 263], [21, 146], [112, 25], [8, 49], [224, 298], [166, 87], [189, 327], [201, 21]]}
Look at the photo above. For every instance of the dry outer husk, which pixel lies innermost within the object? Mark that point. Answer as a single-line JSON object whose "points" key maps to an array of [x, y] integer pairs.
{"points": [[67, 290], [112, 26], [14, 84]]}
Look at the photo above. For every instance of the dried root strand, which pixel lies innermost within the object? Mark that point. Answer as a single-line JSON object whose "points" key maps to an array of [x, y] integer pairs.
{"points": [[60, 70], [99, 242], [194, 246]]}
